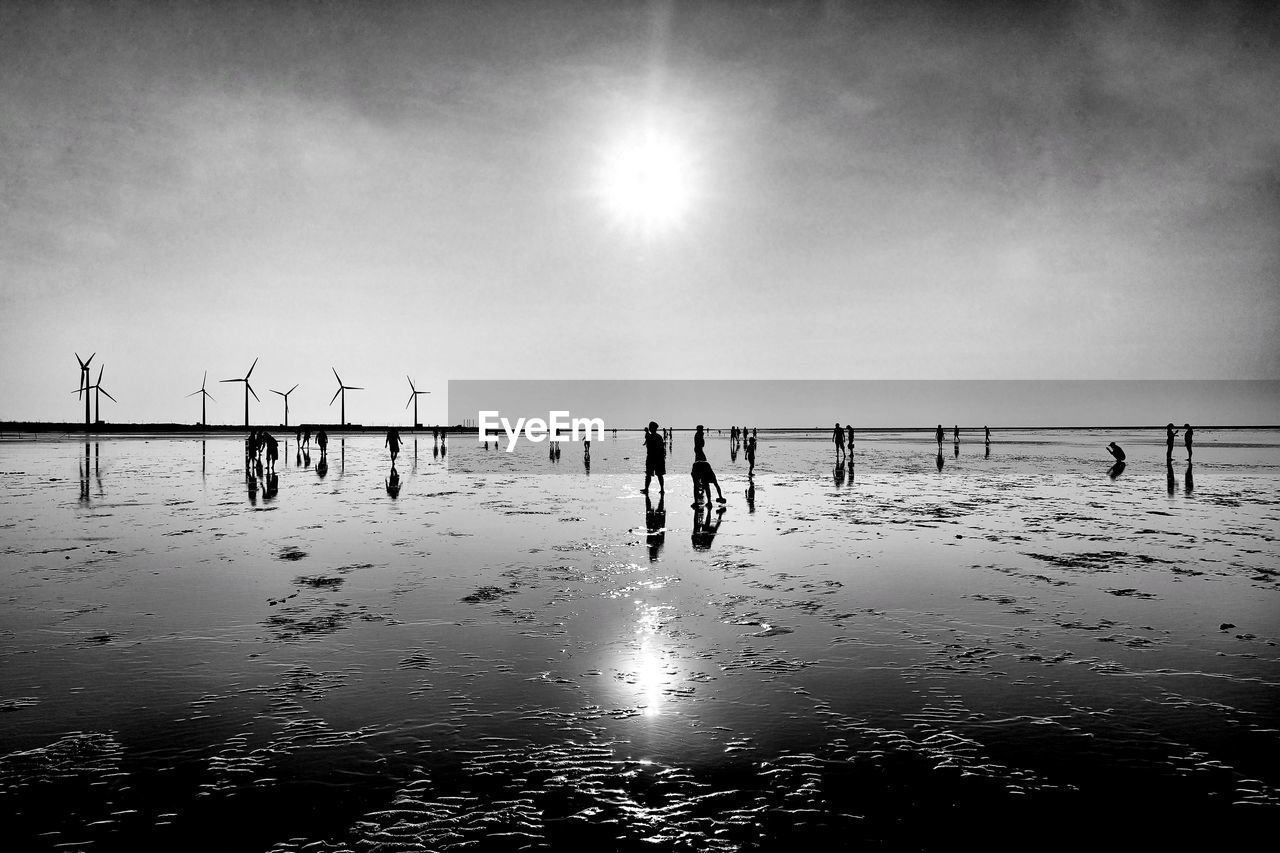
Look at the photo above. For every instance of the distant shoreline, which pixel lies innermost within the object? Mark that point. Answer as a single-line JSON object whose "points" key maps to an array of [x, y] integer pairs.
{"points": [[11, 429]]}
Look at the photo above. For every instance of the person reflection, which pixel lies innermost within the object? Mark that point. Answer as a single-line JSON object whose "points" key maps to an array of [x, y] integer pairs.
{"points": [[751, 496], [435, 450], [84, 476], [306, 458], [987, 453], [322, 467], [251, 482], [1170, 481], [393, 483], [957, 450], [655, 521], [1190, 482], [271, 487], [837, 474], [939, 459], [705, 526]]}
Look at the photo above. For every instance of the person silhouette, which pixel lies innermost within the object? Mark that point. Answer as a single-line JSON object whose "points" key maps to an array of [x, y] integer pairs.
{"points": [[986, 434], [393, 444], [837, 438], [322, 439], [956, 434], [1170, 433], [1171, 482], [703, 479], [306, 437], [751, 456], [849, 429], [1116, 451], [940, 436], [655, 522], [1186, 439], [655, 458], [273, 450], [699, 445]]}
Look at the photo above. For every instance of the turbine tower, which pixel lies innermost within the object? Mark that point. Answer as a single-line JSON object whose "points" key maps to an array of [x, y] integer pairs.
{"points": [[285, 394], [413, 398], [204, 397], [248, 389], [84, 384], [342, 390]]}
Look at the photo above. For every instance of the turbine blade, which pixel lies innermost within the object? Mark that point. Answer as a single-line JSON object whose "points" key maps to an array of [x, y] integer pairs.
{"points": [[230, 380], [195, 392], [251, 367], [89, 359], [353, 388], [335, 396], [104, 391], [81, 360], [207, 394], [274, 391], [412, 397], [335, 375], [101, 367], [291, 390], [251, 391], [411, 388], [206, 379]]}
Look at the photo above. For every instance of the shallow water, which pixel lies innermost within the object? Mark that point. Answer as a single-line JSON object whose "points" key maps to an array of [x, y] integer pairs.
{"points": [[518, 652]]}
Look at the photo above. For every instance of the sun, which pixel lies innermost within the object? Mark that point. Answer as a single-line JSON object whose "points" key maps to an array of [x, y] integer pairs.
{"points": [[647, 182]]}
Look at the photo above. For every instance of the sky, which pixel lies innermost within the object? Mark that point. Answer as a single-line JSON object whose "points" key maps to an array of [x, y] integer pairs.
{"points": [[446, 191]]}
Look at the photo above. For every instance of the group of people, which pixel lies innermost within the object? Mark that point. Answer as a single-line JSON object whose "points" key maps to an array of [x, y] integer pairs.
{"points": [[702, 474]]}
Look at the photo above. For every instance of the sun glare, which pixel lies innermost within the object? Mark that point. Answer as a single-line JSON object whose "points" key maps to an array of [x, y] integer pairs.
{"points": [[647, 183]]}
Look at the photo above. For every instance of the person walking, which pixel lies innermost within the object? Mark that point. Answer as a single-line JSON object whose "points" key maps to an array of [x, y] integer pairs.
{"points": [[655, 458], [393, 444]]}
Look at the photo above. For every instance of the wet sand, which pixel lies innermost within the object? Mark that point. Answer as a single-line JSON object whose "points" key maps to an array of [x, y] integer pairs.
{"points": [[514, 654]]}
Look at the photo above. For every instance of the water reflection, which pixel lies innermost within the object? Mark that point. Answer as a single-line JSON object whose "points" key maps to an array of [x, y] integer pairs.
{"points": [[1116, 470], [706, 524], [251, 483], [1190, 481], [271, 487], [838, 474], [655, 522], [393, 483], [939, 459], [751, 496], [84, 475], [322, 467], [1171, 482]]}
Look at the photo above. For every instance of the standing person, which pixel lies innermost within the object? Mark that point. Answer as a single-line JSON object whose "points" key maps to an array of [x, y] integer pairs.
{"points": [[655, 458], [849, 429], [956, 434], [986, 434], [699, 445], [322, 439], [1170, 433], [273, 450], [751, 455], [940, 435], [1186, 439], [393, 444], [837, 437]]}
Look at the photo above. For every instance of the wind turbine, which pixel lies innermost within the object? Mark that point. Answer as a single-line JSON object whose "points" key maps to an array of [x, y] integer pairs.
{"points": [[84, 384], [204, 396], [248, 389], [97, 389], [342, 390], [413, 398], [285, 394]]}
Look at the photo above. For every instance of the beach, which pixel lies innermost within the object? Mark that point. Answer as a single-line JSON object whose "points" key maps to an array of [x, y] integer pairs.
{"points": [[510, 652]]}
